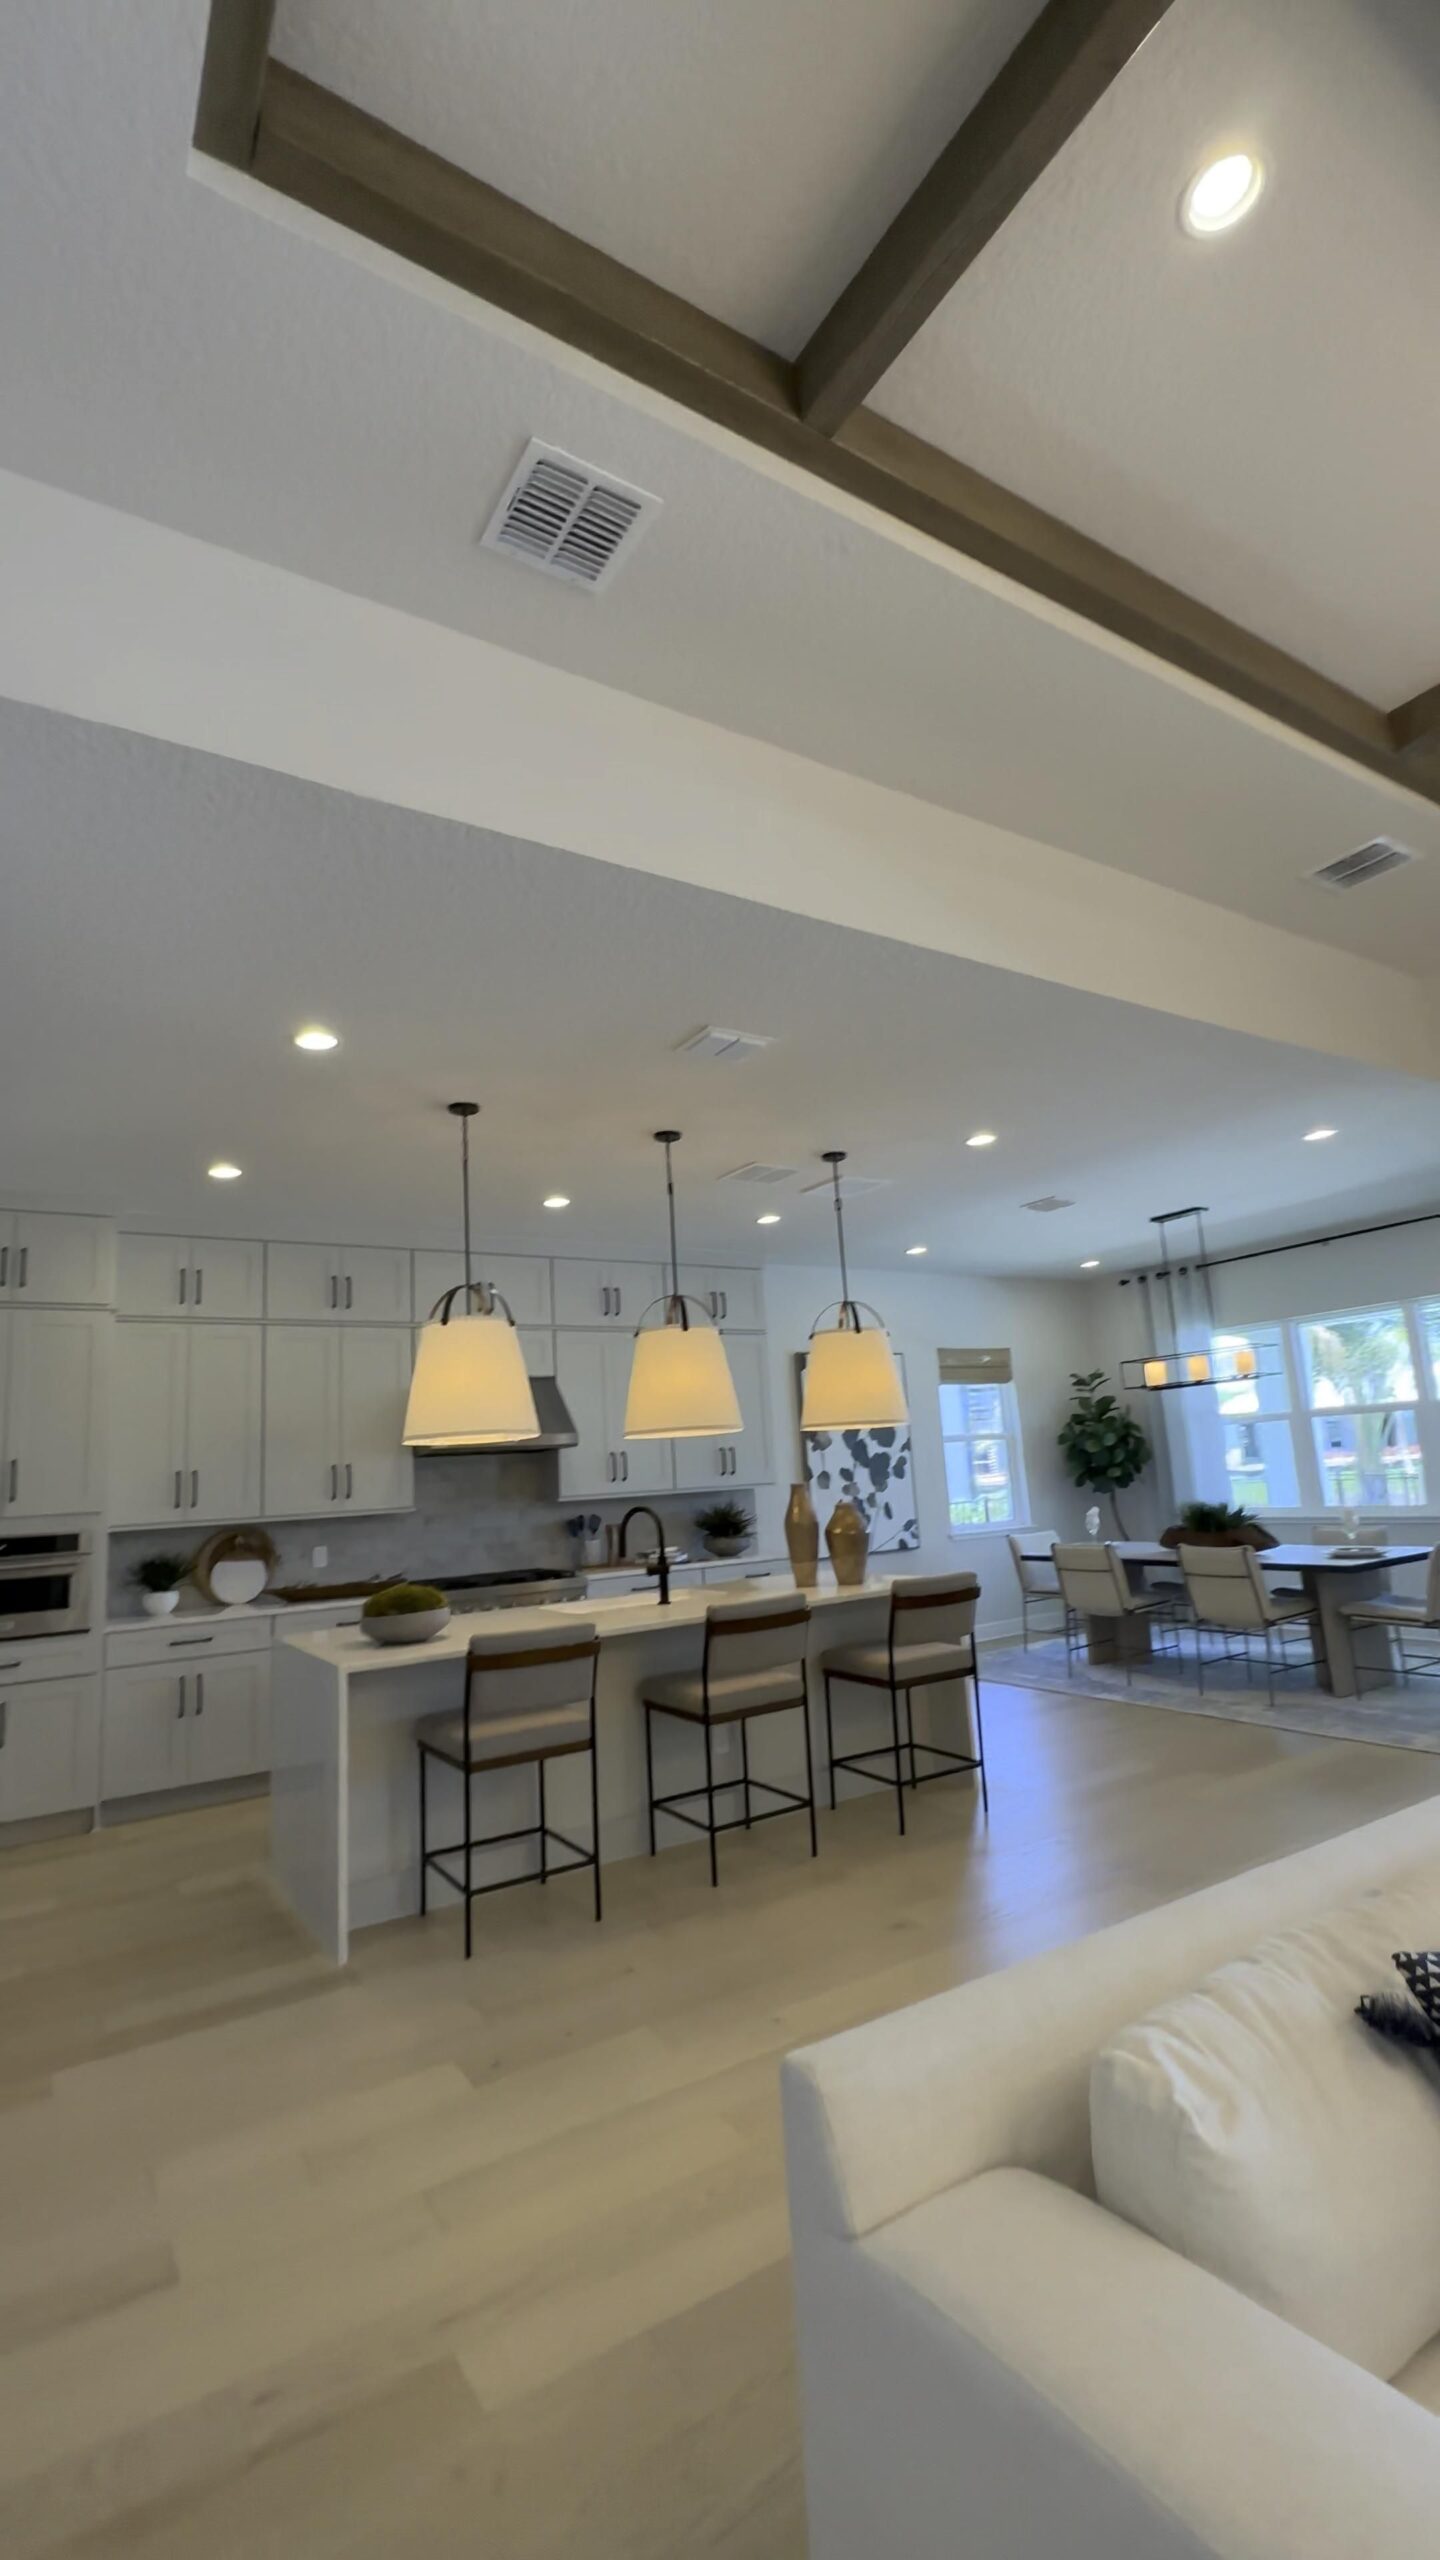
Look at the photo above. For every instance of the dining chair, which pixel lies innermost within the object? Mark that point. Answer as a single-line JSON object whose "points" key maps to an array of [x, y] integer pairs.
{"points": [[1229, 1596], [1094, 1585], [753, 1664], [1389, 1609], [529, 1697], [930, 1638], [1038, 1580]]}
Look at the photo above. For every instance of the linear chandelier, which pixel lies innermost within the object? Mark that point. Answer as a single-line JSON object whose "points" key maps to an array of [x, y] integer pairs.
{"points": [[1193, 1304]]}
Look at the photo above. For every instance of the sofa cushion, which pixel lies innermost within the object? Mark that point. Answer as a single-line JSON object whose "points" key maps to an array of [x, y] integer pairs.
{"points": [[1255, 2125]]}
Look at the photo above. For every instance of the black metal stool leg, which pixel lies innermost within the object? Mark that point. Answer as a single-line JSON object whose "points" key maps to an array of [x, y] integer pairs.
{"points": [[745, 1764], [899, 1763], [980, 1741], [910, 1733], [595, 1817], [710, 1801], [469, 1901], [422, 1755], [810, 1772], [829, 1740], [544, 1843], [650, 1781]]}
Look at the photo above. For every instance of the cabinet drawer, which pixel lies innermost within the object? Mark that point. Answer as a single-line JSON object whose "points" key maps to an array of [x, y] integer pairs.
{"points": [[186, 1640], [48, 1658]]}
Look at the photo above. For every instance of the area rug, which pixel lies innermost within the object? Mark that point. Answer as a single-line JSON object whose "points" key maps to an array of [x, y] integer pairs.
{"points": [[1408, 1718]]}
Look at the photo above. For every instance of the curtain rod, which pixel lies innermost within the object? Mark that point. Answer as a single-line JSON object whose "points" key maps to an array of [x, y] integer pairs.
{"points": [[1301, 1244]]}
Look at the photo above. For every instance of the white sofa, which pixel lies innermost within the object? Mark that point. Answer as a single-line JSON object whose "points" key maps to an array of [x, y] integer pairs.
{"points": [[995, 2368]]}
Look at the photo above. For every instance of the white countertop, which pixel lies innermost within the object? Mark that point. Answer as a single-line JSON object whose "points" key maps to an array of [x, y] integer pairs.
{"points": [[635, 1614]]}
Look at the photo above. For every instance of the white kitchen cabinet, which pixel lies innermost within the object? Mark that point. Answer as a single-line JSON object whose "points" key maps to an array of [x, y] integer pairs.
{"points": [[334, 1412], [52, 1397], [593, 1374], [605, 1293], [730, 1295], [355, 1284], [184, 1723], [186, 1423], [189, 1276], [537, 1343], [49, 1746], [226, 1724], [522, 1279], [52, 1259], [142, 1737], [743, 1457]]}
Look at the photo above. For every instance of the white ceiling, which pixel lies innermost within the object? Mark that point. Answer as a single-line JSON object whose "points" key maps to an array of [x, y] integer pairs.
{"points": [[172, 918], [176, 352]]}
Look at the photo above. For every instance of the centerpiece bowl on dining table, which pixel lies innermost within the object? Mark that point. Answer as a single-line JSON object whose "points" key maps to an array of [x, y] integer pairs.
{"points": [[407, 1613]]}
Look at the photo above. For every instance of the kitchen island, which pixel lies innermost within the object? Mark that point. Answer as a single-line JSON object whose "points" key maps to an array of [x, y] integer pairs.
{"points": [[345, 1846]]}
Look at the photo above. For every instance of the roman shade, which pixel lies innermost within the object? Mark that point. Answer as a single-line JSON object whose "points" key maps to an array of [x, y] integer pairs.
{"points": [[975, 1368]]}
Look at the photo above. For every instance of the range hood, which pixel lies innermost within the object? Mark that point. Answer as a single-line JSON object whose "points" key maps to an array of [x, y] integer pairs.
{"points": [[557, 1431]]}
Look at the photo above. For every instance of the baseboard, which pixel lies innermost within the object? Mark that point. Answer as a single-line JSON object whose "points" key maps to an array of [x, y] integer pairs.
{"points": [[121, 1809]]}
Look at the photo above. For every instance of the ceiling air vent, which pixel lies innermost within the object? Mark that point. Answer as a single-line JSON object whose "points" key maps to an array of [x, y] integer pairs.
{"points": [[1367, 862], [853, 1186], [1050, 1201], [567, 518], [729, 1045], [761, 1173]]}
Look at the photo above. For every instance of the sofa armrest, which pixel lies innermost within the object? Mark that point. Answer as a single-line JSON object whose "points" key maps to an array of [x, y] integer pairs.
{"points": [[1009, 2370]]}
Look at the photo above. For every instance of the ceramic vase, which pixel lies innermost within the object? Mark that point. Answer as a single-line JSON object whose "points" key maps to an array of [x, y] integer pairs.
{"points": [[802, 1537], [848, 1540]]}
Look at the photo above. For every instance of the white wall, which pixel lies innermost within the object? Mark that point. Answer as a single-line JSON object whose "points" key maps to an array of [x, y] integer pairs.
{"points": [[1046, 1324]]}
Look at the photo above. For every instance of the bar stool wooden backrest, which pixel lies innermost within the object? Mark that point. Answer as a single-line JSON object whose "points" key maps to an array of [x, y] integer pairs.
{"points": [[744, 1636], [932, 1608], [537, 1675]]}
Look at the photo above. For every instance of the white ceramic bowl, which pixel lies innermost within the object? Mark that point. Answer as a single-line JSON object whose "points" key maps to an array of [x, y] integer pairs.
{"points": [[414, 1627]]}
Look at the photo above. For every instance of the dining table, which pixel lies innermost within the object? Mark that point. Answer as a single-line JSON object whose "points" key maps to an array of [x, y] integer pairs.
{"points": [[1328, 1576]]}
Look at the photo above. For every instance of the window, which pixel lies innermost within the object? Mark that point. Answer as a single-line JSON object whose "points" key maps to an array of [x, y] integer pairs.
{"points": [[1359, 1373], [1256, 1441], [980, 1431]]}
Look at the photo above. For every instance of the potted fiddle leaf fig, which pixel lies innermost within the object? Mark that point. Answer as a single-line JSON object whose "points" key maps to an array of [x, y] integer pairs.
{"points": [[1102, 1444]]}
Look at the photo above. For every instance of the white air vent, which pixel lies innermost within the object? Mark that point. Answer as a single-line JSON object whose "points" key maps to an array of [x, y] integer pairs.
{"points": [[761, 1173], [853, 1186], [729, 1045], [1049, 1202], [1367, 862], [567, 518]]}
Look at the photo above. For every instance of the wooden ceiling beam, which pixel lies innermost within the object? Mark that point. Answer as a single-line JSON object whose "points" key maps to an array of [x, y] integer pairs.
{"points": [[227, 109], [345, 165], [1062, 65], [1415, 725]]}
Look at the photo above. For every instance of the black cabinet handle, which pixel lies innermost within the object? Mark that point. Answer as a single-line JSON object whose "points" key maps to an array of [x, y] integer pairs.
{"points": [[349, 1291], [199, 1282], [184, 1283]]}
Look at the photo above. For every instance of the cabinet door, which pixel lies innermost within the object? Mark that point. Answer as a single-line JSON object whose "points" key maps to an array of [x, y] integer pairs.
{"points": [[377, 1473], [61, 1261], [538, 1345], [728, 1294], [142, 1732], [226, 1277], [223, 1422], [147, 1425], [49, 1738], [644, 1466], [523, 1280], [752, 1461], [605, 1293], [55, 1430], [302, 1280], [226, 1723], [302, 1419], [590, 1467], [374, 1283], [151, 1274]]}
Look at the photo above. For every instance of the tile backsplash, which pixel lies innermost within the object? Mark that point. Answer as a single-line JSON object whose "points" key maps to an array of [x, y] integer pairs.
{"points": [[471, 1515]]}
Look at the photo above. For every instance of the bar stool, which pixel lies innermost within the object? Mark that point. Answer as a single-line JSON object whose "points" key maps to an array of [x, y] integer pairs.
{"points": [[529, 1697], [753, 1665], [931, 1638]]}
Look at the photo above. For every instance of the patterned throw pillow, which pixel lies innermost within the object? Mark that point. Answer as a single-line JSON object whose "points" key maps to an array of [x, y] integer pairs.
{"points": [[1413, 2020]]}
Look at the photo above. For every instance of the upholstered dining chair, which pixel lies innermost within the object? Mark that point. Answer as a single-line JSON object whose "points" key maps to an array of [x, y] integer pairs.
{"points": [[1229, 1596], [1093, 1585], [1390, 1610], [1039, 1583], [930, 1639]]}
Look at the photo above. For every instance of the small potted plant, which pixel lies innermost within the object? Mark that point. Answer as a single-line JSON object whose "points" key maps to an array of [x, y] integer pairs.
{"points": [[1216, 1524], [405, 1613], [158, 1580], [726, 1528]]}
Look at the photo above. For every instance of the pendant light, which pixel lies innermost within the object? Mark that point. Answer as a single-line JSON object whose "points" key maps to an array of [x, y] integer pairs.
{"points": [[1189, 1308], [470, 1388], [851, 1379], [680, 1382]]}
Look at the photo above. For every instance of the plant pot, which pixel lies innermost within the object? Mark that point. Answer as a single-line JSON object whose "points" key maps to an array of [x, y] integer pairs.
{"points": [[416, 1626], [727, 1546], [159, 1604], [1255, 1536]]}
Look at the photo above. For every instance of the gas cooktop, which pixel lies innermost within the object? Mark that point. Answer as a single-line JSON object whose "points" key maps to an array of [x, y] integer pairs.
{"points": [[512, 1590]]}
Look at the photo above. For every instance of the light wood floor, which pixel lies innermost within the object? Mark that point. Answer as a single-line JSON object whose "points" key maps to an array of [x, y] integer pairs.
{"points": [[421, 2259]]}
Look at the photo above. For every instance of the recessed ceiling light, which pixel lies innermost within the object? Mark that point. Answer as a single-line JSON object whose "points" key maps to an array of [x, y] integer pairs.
{"points": [[913, 1249], [1313, 1136], [768, 1218], [1222, 194], [556, 1200], [982, 1138], [1093, 1265], [224, 1172], [315, 1036]]}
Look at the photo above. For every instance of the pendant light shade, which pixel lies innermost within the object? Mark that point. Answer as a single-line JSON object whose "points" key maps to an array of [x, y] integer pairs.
{"points": [[470, 1388], [852, 1379], [680, 1382]]}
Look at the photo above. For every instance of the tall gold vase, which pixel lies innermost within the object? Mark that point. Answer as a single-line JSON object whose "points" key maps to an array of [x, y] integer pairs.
{"points": [[848, 1540], [802, 1537]]}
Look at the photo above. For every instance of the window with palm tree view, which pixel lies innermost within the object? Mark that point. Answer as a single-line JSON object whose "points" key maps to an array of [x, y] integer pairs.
{"points": [[1334, 1414]]}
